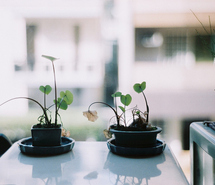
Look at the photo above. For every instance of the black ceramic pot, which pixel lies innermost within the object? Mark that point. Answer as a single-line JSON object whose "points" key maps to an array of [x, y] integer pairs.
{"points": [[136, 138], [46, 136]]}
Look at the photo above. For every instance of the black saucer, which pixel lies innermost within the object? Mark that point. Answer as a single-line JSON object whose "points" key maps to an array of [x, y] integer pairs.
{"points": [[127, 151], [27, 148]]}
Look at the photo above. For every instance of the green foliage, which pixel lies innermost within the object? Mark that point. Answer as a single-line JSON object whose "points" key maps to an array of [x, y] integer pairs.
{"points": [[50, 58], [116, 94], [139, 87], [126, 99], [139, 117], [65, 99], [210, 46], [61, 104], [47, 89], [67, 96], [122, 108]]}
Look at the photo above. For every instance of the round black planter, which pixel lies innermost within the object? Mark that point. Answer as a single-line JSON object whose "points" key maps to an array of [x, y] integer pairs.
{"points": [[46, 136], [136, 138]]}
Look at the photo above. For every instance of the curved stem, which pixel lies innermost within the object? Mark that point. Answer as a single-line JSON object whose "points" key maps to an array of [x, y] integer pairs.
{"points": [[117, 117], [44, 110], [147, 108], [50, 106], [115, 102]]}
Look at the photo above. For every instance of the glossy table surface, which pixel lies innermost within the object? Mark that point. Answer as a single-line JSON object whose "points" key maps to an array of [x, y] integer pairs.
{"points": [[89, 163]]}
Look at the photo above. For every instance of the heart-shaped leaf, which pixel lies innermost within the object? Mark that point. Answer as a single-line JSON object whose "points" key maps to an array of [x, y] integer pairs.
{"points": [[122, 108], [67, 96], [139, 87], [47, 89], [126, 99], [61, 104], [50, 57], [116, 94]]}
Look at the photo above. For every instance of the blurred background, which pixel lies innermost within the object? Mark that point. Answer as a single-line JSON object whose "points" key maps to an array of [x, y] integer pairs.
{"points": [[104, 46]]}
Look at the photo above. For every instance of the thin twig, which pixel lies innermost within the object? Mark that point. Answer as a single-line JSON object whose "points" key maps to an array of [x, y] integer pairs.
{"points": [[200, 23]]}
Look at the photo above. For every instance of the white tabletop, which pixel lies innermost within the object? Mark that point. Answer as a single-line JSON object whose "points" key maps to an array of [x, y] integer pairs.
{"points": [[89, 163]]}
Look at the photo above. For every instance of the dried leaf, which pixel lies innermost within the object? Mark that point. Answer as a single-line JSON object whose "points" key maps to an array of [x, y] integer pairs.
{"points": [[91, 115], [65, 133], [149, 126], [107, 134]]}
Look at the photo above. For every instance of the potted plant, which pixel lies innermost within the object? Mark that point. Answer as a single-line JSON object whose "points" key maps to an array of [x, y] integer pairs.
{"points": [[208, 44], [134, 132], [48, 132]]}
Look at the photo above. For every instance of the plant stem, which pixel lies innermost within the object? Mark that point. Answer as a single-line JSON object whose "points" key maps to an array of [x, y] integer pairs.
{"points": [[115, 103], [200, 23], [55, 86], [45, 99], [44, 110], [124, 116], [117, 117], [147, 108], [60, 103]]}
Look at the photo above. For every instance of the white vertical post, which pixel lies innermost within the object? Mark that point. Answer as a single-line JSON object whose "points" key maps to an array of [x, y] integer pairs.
{"points": [[12, 47], [125, 43]]}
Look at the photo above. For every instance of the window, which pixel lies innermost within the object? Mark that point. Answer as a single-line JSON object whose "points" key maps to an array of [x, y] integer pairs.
{"points": [[30, 34], [160, 44], [147, 44], [174, 45]]}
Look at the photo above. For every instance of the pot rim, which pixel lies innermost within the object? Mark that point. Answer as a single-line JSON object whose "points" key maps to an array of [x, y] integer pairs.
{"points": [[54, 128], [137, 132]]}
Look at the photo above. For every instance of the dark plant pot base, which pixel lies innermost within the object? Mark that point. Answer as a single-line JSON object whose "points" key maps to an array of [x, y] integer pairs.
{"points": [[136, 138], [26, 147], [46, 136], [136, 152]]}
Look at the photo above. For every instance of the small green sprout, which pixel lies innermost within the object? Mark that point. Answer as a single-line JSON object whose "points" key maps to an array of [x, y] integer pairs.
{"points": [[139, 88]]}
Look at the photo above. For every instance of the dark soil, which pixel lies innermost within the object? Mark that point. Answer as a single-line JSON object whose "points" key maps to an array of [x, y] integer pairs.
{"points": [[131, 128], [47, 125]]}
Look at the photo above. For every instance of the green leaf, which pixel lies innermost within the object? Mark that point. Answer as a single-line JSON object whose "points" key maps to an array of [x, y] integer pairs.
{"points": [[49, 57], [122, 108], [67, 96], [61, 104], [139, 87], [126, 99], [47, 89], [116, 94]]}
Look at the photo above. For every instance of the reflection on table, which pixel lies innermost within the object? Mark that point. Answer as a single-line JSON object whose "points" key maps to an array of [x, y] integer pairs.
{"points": [[89, 163]]}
